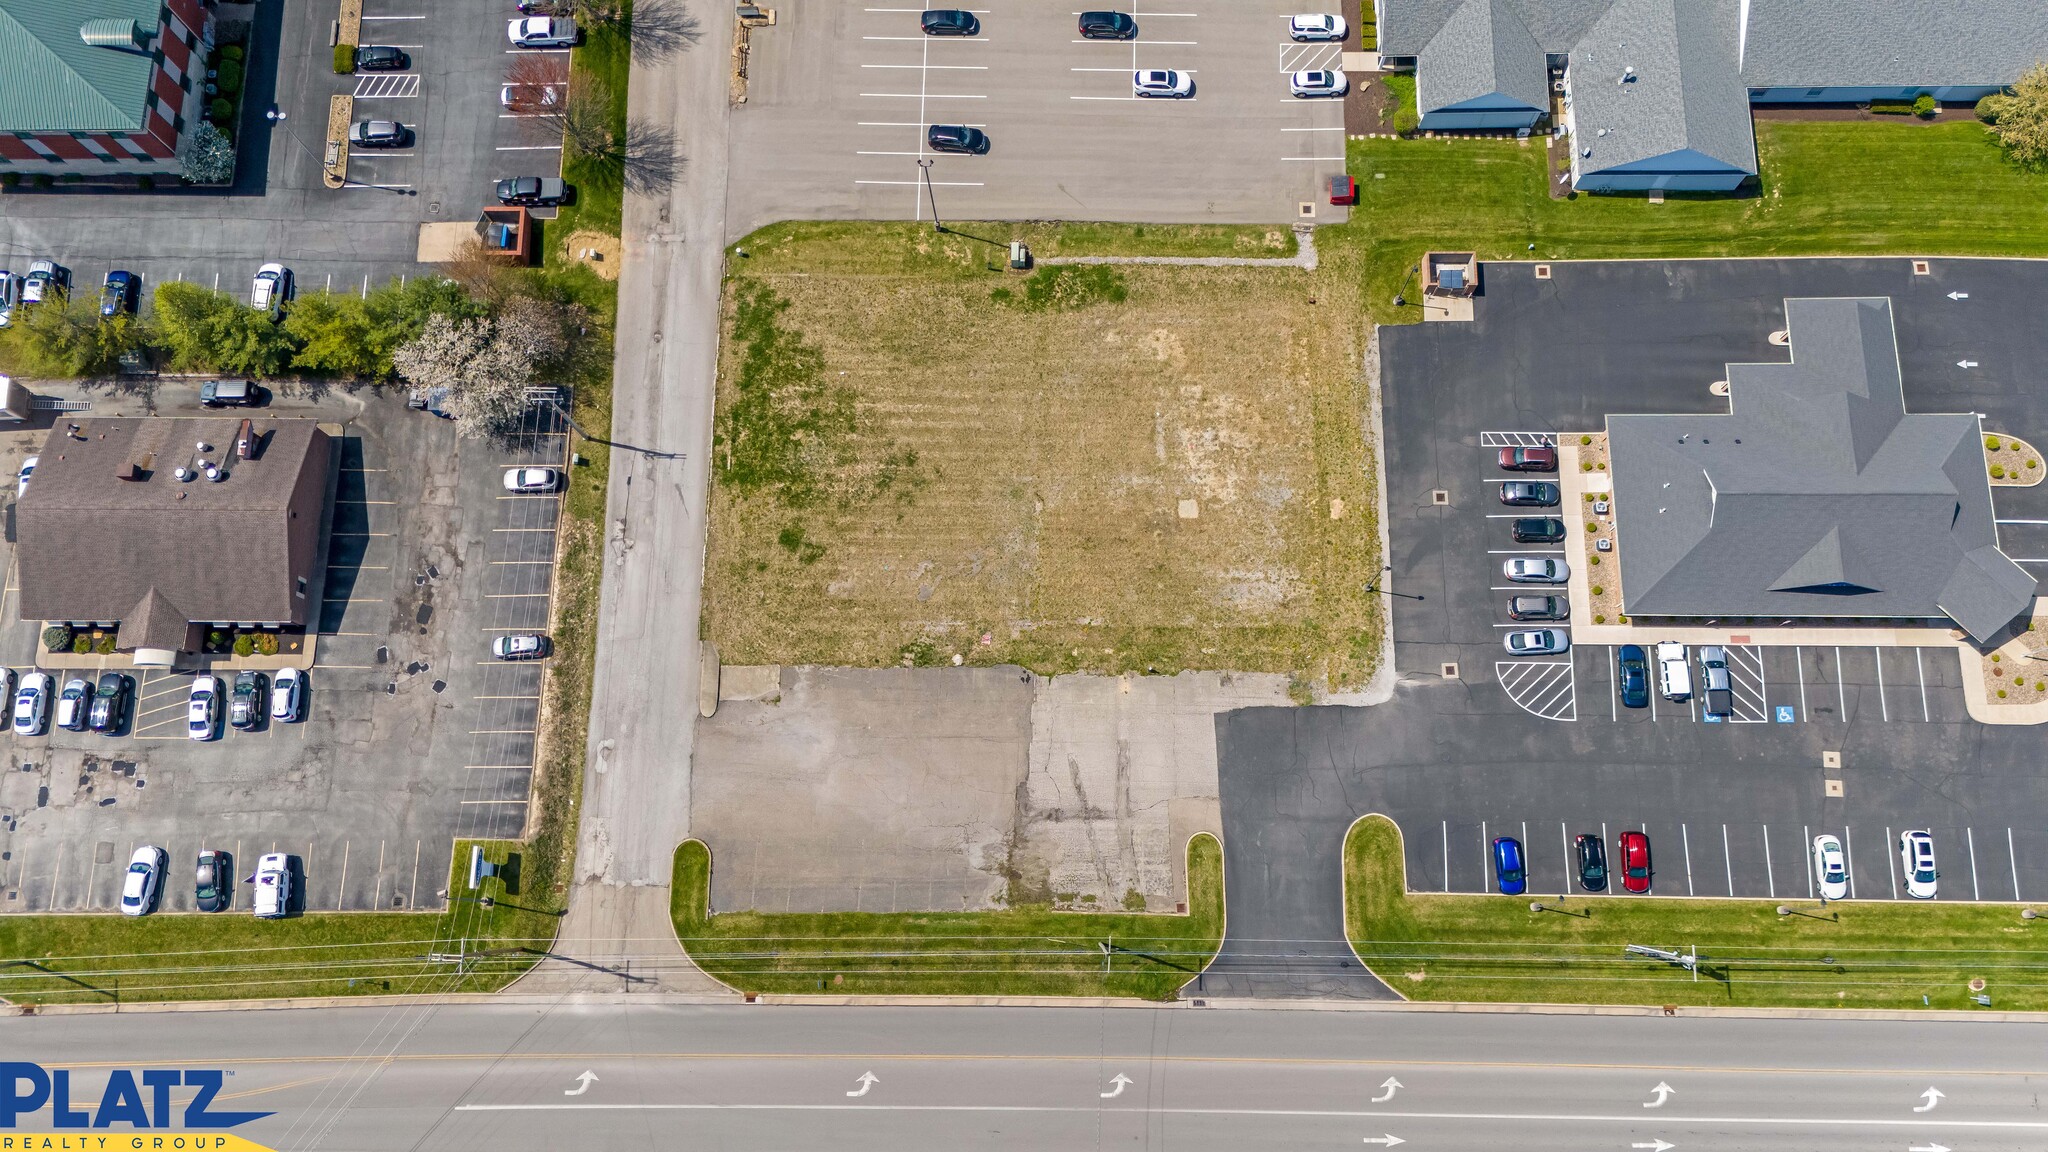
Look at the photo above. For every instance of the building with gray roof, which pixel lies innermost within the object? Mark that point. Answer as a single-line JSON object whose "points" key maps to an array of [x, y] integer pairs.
{"points": [[1656, 93], [1816, 496]]}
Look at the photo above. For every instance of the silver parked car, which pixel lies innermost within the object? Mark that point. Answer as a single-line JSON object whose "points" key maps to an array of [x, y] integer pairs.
{"points": [[1536, 570], [1536, 642]]}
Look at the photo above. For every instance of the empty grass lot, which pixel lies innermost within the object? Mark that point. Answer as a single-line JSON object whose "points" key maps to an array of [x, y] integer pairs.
{"points": [[1849, 955], [1017, 952], [920, 454], [1831, 187]]}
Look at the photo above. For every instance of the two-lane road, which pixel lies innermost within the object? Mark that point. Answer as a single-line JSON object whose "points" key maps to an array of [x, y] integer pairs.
{"points": [[512, 1076]]}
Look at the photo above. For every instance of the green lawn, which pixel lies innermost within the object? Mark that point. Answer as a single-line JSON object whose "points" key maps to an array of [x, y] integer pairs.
{"points": [[1827, 187], [1850, 955], [1018, 952], [605, 55], [93, 958]]}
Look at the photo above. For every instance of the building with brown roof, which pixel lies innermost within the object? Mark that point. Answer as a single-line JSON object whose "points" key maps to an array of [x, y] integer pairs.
{"points": [[162, 528]]}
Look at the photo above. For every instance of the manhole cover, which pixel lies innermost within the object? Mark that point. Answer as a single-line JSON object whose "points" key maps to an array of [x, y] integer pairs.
{"points": [[440, 685], [433, 207]]}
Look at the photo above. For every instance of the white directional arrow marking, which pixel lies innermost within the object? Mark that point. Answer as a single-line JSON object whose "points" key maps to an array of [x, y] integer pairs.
{"points": [[1389, 1140], [1966, 363], [1928, 1148], [1932, 1096], [1117, 1087], [1391, 1085], [867, 1081], [1663, 1092], [1663, 1146], [1959, 295], [583, 1083]]}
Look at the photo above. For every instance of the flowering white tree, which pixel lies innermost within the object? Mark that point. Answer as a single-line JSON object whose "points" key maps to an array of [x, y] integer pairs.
{"points": [[485, 378], [208, 156]]}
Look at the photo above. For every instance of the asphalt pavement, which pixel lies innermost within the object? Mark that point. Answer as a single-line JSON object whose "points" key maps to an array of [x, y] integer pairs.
{"points": [[649, 1073]]}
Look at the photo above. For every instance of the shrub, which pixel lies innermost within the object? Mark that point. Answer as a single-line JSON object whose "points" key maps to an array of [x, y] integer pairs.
{"points": [[220, 111], [1892, 107], [1595, 561], [2001, 693], [344, 59], [1994, 657], [1584, 440], [57, 637], [80, 645], [1991, 444], [105, 647], [1924, 106], [229, 77], [208, 156], [42, 180], [1987, 109], [231, 52], [1998, 471], [1597, 590], [1598, 619], [266, 644], [145, 183], [245, 645], [2033, 463], [1592, 526]]}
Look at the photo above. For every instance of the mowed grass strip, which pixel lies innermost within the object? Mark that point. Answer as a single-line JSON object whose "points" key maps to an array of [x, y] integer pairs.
{"points": [[1016, 952], [1828, 187], [920, 455], [1848, 955]]}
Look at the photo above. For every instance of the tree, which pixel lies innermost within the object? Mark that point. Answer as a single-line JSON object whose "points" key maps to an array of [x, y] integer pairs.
{"points": [[336, 334], [639, 153], [66, 337], [2019, 117], [208, 156], [534, 77], [204, 329], [485, 377]]}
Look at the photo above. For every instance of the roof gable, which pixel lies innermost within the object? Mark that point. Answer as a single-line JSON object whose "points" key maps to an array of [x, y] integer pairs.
{"points": [[1482, 49]]}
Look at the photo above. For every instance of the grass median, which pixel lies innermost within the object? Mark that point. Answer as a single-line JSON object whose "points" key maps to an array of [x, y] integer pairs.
{"points": [[1015, 952], [1853, 954]]}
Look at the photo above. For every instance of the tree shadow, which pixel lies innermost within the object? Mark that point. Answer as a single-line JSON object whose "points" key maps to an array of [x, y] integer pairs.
{"points": [[649, 160], [661, 28]]}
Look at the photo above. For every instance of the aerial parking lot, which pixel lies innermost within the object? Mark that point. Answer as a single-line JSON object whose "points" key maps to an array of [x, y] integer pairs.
{"points": [[413, 733], [841, 97]]}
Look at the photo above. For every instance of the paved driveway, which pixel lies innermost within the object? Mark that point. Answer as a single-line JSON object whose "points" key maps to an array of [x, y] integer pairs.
{"points": [[840, 93], [1547, 753]]}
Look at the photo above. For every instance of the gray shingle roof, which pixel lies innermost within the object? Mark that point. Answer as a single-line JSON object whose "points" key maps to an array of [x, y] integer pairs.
{"points": [[51, 80], [1684, 93], [1817, 495], [1406, 25], [1483, 48], [1923, 43], [93, 546]]}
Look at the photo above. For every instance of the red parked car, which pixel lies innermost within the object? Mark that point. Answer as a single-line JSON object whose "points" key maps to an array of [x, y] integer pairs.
{"points": [[1635, 861], [1529, 459]]}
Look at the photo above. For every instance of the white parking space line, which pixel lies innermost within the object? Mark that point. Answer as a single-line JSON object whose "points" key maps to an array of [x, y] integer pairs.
{"points": [[1564, 843], [1447, 855], [934, 96], [1727, 860], [1921, 666], [1883, 708], [1799, 655], [1338, 128], [947, 67], [2012, 858], [1806, 850], [1891, 860], [1485, 857], [1603, 847], [1849, 851], [1318, 159], [1841, 690], [1970, 835], [1685, 838], [1770, 877], [529, 147], [935, 184], [868, 153]]}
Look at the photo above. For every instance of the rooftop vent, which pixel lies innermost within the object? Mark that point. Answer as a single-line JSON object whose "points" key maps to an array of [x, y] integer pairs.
{"points": [[116, 33], [128, 472]]}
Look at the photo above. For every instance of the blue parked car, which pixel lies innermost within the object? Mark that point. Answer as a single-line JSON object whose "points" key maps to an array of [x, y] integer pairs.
{"points": [[1632, 675], [1507, 865], [118, 292]]}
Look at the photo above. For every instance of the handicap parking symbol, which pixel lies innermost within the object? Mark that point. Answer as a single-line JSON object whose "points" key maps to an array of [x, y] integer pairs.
{"points": [[1784, 712], [1711, 717]]}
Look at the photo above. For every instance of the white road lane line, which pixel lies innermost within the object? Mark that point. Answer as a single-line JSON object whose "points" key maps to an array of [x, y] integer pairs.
{"points": [[1685, 837], [1921, 667], [1727, 860], [1970, 837], [2012, 858], [1891, 860]]}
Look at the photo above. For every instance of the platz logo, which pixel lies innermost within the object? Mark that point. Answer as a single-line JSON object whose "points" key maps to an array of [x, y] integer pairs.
{"points": [[139, 1099]]}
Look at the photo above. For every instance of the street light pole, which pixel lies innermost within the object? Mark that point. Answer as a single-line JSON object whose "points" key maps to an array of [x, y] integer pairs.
{"points": [[924, 167]]}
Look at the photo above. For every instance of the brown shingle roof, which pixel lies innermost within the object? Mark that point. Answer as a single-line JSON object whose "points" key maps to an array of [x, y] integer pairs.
{"points": [[94, 546]]}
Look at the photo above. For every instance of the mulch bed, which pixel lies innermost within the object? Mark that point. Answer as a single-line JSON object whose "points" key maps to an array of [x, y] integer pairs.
{"points": [[1853, 112]]}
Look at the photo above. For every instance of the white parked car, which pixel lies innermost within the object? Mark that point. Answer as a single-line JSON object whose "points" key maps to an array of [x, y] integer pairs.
{"points": [[1536, 642], [542, 32], [1830, 868], [521, 646], [1674, 675], [144, 881], [74, 704], [1316, 27], [1318, 82], [531, 479], [202, 708], [10, 295], [32, 704], [47, 280], [288, 695], [1162, 83], [1916, 858], [28, 468], [273, 881], [272, 287], [1536, 570]]}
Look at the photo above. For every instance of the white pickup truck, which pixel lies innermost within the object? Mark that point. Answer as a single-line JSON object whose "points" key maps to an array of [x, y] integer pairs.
{"points": [[1674, 674]]}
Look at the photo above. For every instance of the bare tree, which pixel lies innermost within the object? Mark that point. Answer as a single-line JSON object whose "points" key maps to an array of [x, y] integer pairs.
{"points": [[583, 114], [661, 28], [539, 83]]}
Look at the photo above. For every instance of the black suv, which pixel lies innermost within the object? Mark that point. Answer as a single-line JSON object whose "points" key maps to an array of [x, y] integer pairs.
{"points": [[1538, 608], [949, 22], [1592, 864], [110, 703], [1529, 493], [1108, 26], [1538, 530], [378, 58], [251, 698], [956, 138]]}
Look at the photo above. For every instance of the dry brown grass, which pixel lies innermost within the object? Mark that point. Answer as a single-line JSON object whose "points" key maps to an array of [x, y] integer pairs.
{"points": [[1040, 521]]}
